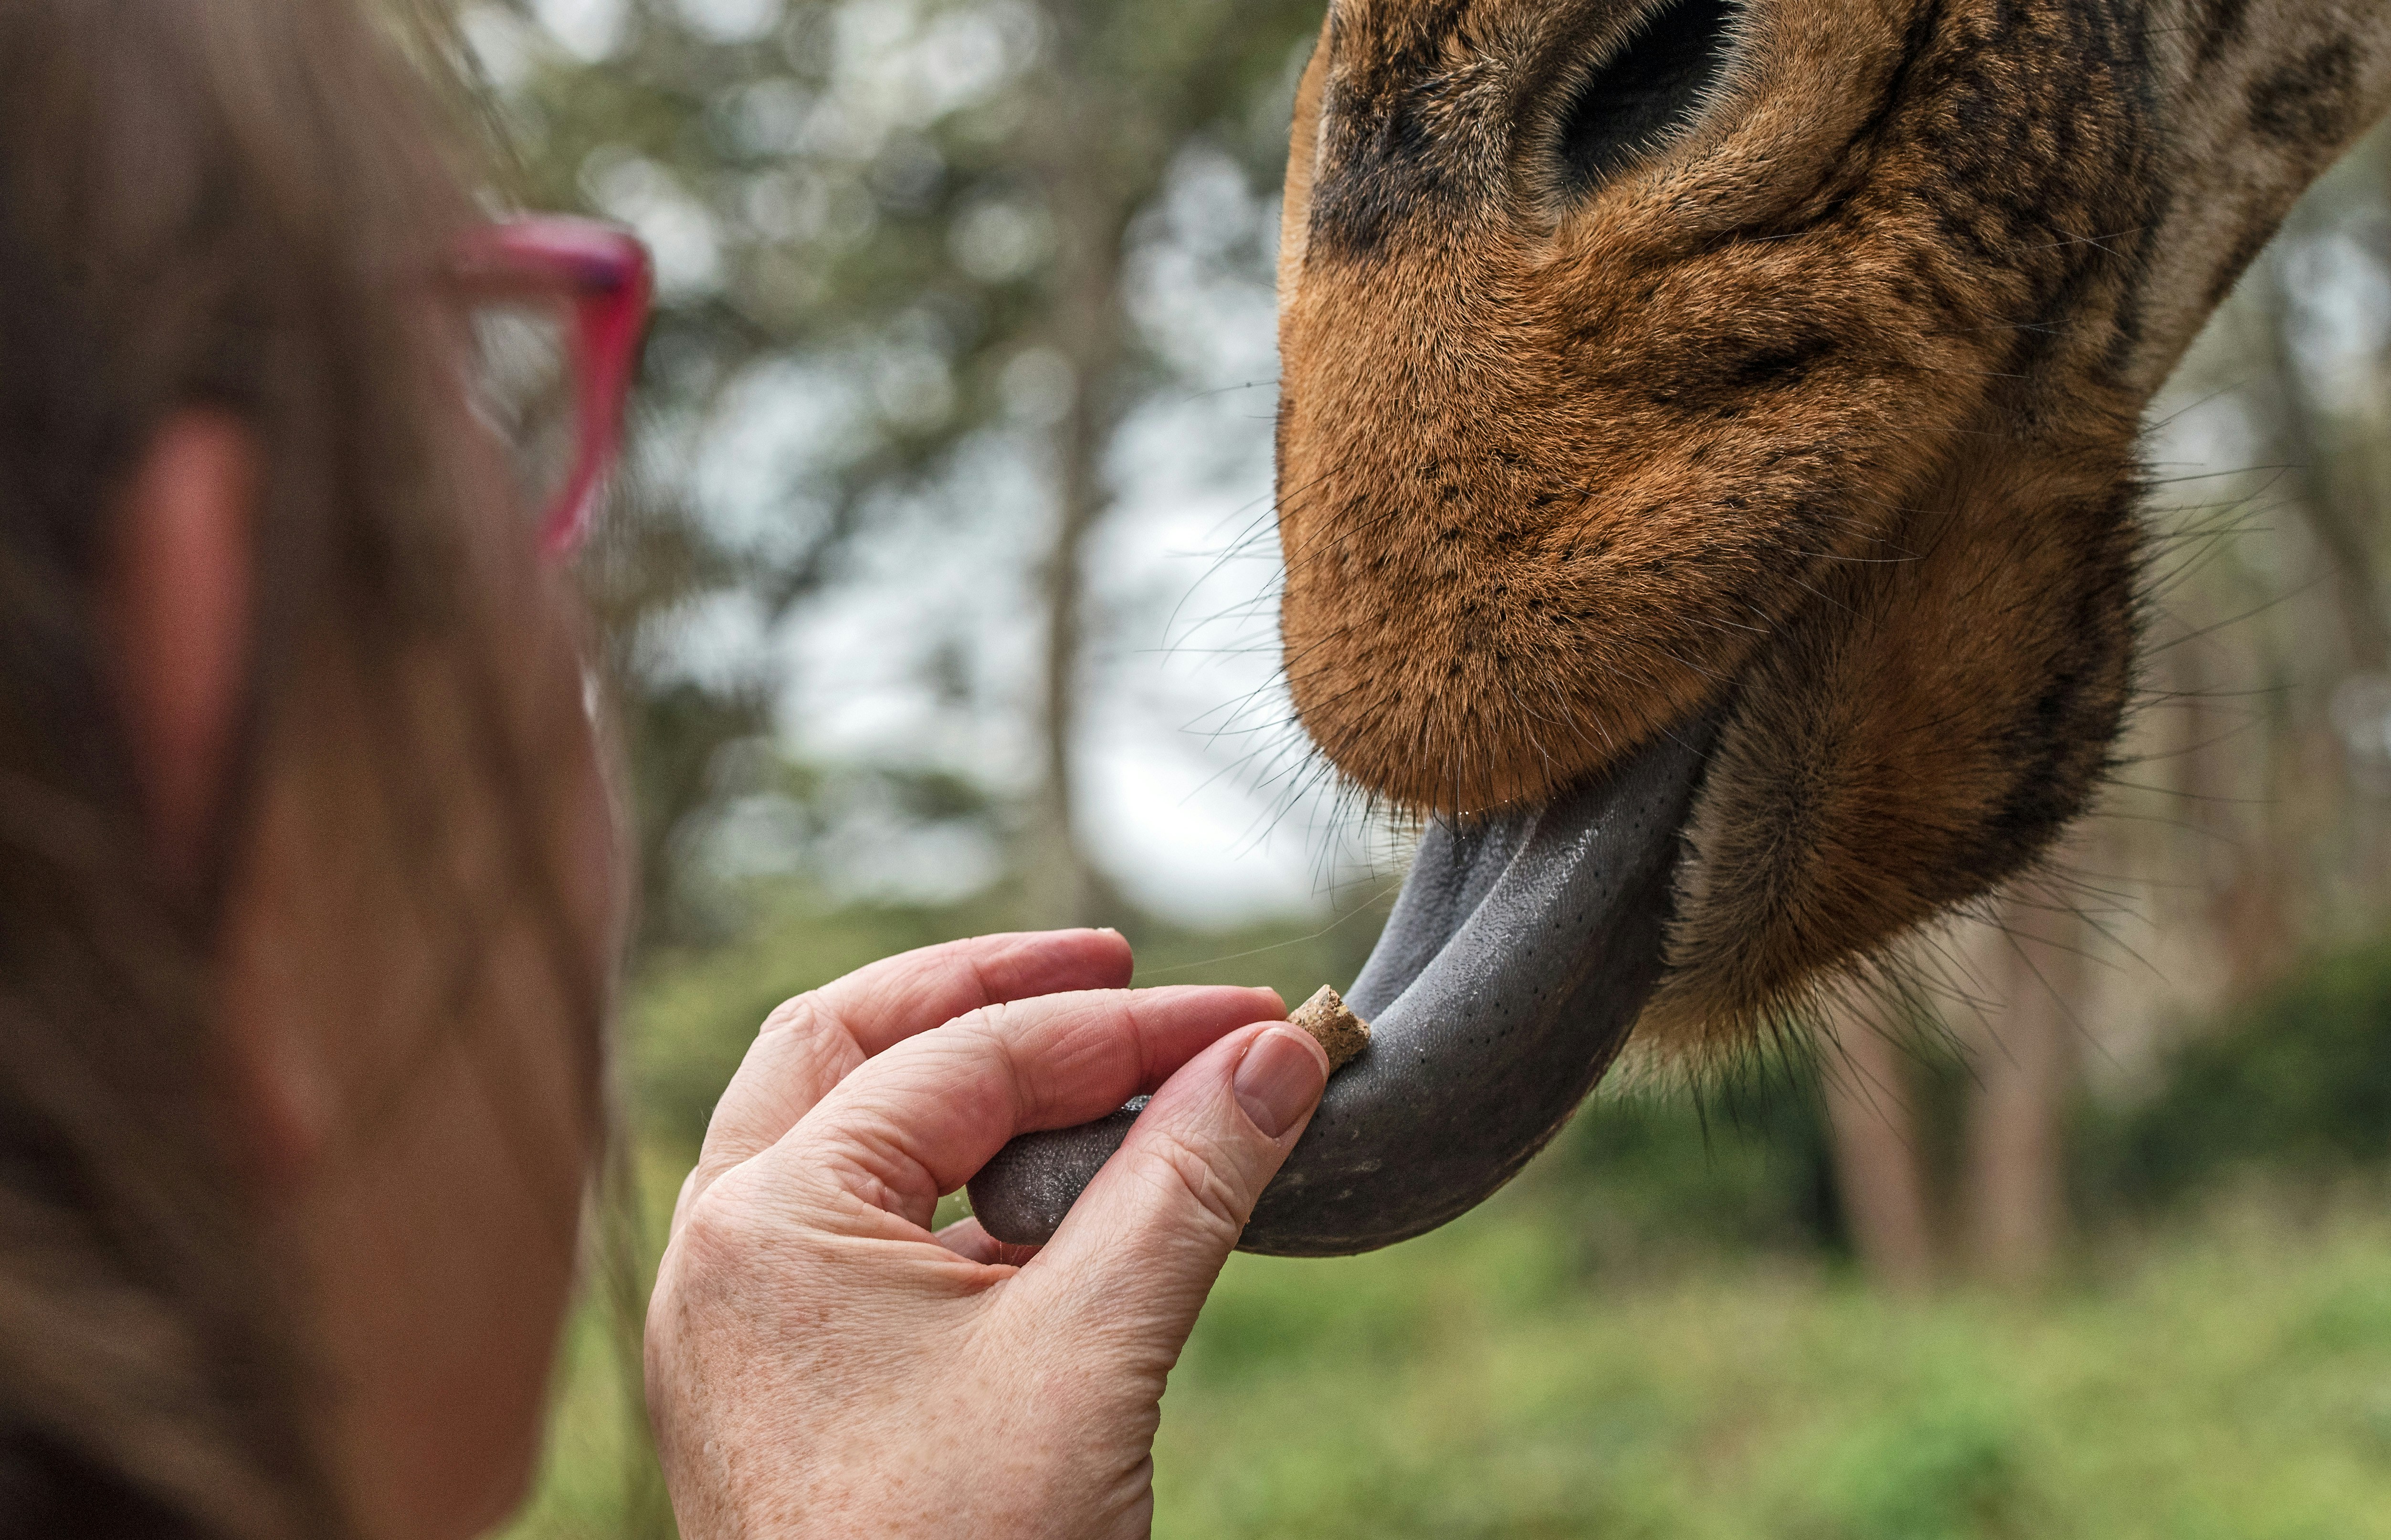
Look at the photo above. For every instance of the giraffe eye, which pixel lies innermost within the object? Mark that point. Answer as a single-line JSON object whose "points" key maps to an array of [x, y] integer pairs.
{"points": [[1647, 91]]}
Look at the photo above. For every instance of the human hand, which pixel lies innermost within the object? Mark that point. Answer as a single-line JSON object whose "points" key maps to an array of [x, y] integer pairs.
{"points": [[820, 1362]]}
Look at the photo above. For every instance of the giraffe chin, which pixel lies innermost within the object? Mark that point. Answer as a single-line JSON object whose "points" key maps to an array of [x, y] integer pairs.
{"points": [[1518, 958]]}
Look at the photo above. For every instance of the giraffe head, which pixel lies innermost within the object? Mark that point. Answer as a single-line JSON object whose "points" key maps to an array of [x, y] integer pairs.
{"points": [[1770, 365], [1707, 483]]}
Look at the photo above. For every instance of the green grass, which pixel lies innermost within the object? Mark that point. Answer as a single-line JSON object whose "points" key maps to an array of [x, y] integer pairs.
{"points": [[2233, 1381], [2227, 1380]]}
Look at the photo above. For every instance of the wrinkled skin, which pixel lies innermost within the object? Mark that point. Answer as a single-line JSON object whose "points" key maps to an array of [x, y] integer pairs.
{"points": [[1782, 360]]}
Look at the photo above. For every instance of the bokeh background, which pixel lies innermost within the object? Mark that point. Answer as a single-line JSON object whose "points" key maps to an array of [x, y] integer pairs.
{"points": [[941, 594]]}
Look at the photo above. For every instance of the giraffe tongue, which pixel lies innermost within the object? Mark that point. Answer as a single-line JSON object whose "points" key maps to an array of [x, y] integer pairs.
{"points": [[1516, 962]]}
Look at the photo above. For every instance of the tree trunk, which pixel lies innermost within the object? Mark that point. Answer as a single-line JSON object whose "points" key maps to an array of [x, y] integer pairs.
{"points": [[1090, 212], [2014, 1173], [1880, 1170], [2339, 500], [2241, 887]]}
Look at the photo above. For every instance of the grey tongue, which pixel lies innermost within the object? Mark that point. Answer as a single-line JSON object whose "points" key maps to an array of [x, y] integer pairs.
{"points": [[1518, 957]]}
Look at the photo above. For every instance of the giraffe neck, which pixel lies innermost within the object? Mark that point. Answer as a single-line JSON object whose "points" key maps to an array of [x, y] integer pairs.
{"points": [[2262, 97]]}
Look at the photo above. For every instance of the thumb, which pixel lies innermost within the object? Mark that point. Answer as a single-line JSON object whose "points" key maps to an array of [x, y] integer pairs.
{"points": [[1141, 1248]]}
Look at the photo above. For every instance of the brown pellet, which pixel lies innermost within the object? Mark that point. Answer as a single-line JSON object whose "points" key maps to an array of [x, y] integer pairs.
{"points": [[1340, 1032]]}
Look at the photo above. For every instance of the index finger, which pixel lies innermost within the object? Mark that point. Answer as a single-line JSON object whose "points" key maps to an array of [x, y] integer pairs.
{"points": [[810, 1043], [918, 1123]]}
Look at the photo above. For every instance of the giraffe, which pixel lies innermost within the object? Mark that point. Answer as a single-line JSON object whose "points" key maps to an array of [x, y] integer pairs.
{"points": [[1709, 486]]}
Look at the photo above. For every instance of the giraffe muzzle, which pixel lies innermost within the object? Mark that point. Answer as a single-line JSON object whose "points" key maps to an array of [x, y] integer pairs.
{"points": [[1518, 956]]}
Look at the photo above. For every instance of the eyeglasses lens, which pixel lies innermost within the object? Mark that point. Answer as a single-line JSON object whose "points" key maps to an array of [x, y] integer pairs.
{"points": [[522, 386]]}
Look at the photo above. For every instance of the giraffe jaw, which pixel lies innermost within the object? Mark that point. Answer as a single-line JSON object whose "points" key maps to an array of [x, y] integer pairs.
{"points": [[1515, 963]]}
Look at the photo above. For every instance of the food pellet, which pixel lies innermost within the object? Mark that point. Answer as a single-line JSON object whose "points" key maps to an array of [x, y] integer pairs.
{"points": [[1340, 1032]]}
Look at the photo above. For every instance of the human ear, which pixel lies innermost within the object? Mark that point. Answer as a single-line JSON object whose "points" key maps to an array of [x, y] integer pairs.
{"points": [[175, 612], [175, 606]]}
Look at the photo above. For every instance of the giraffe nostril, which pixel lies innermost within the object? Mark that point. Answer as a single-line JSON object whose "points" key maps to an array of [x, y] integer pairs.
{"points": [[1647, 91]]}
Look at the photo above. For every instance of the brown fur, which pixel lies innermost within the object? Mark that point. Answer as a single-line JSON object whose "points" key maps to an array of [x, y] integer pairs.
{"points": [[1819, 414]]}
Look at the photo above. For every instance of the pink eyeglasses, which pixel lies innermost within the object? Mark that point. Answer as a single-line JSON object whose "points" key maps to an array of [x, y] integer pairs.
{"points": [[558, 307]]}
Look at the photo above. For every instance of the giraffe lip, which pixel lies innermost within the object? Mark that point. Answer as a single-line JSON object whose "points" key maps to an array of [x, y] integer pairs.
{"points": [[1516, 962]]}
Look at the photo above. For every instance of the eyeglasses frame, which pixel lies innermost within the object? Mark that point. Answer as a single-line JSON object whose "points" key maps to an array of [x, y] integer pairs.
{"points": [[603, 274]]}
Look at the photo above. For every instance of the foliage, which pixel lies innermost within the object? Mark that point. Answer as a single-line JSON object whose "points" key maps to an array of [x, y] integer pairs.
{"points": [[2298, 1079], [1646, 1179], [897, 246]]}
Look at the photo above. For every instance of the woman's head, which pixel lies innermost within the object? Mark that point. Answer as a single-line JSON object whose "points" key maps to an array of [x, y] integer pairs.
{"points": [[305, 874]]}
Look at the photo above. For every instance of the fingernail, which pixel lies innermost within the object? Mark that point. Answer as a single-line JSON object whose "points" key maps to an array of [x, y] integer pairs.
{"points": [[1279, 1080]]}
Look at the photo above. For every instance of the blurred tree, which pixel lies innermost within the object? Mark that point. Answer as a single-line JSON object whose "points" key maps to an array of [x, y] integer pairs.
{"points": [[2298, 1079], [2250, 821], [892, 241], [1882, 1173], [651, 560], [2013, 1164]]}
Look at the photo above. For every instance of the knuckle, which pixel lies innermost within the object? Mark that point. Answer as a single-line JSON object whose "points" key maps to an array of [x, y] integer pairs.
{"points": [[727, 1239], [990, 1020], [803, 1040], [988, 1025], [983, 988], [714, 1237], [801, 1012]]}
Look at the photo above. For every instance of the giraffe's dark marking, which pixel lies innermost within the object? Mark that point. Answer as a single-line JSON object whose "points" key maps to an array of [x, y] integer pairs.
{"points": [[1379, 167], [1386, 159], [2223, 24], [1388, 59], [2245, 251], [2038, 178], [2059, 743], [2128, 330], [2312, 100], [1787, 361], [1859, 150]]}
